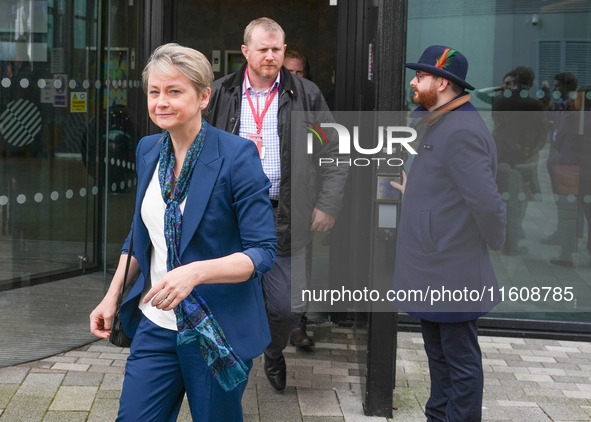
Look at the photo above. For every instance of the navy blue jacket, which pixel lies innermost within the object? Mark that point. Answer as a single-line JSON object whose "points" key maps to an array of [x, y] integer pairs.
{"points": [[451, 213], [227, 210]]}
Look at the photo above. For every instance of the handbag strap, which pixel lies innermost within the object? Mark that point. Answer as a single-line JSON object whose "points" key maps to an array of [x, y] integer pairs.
{"points": [[129, 254], [130, 250]]}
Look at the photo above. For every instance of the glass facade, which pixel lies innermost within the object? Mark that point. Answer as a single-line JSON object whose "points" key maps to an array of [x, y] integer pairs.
{"points": [[72, 111], [69, 90], [530, 62]]}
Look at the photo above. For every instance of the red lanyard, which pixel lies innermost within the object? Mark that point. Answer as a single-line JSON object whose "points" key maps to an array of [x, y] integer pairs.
{"points": [[258, 118]]}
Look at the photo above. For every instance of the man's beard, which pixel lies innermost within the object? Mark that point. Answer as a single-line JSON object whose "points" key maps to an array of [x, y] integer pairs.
{"points": [[426, 98], [268, 72]]}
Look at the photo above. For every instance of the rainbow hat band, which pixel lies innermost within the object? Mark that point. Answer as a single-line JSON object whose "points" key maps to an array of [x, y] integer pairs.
{"points": [[445, 62]]}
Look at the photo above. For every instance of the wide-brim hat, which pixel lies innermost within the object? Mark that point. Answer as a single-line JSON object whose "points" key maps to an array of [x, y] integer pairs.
{"points": [[445, 62]]}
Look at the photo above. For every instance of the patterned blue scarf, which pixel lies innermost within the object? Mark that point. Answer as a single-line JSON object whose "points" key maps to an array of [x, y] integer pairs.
{"points": [[195, 322]]}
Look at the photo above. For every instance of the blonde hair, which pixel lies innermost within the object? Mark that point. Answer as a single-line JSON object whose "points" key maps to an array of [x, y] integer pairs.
{"points": [[168, 59], [268, 24]]}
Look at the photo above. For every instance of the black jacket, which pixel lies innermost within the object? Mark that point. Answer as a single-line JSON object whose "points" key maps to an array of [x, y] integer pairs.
{"points": [[520, 128], [303, 182]]}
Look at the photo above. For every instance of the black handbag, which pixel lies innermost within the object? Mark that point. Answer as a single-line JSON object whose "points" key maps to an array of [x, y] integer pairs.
{"points": [[118, 336]]}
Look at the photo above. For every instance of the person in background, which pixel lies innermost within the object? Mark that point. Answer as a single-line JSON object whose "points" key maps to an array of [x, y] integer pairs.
{"points": [[297, 64], [203, 235], [520, 132], [318, 191], [564, 163], [451, 214]]}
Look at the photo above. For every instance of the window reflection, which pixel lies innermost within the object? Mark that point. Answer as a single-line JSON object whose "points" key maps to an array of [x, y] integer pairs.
{"points": [[531, 65]]}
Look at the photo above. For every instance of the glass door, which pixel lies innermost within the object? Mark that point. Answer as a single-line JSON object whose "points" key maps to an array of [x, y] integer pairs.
{"points": [[48, 90], [69, 94], [123, 116]]}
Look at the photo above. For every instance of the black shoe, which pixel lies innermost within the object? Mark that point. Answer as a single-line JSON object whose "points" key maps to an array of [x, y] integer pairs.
{"points": [[275, 371], [299, 338]]}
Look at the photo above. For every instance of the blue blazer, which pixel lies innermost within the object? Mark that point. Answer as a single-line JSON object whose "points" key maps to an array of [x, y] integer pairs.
{"points": [[451, 214], [227, 210]]}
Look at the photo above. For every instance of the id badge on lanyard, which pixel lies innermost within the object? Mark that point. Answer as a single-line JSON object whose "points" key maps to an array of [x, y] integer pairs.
{"points": [[257, 138]]}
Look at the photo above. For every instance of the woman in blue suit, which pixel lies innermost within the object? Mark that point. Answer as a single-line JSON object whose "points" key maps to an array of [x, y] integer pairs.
{"points": [[203, 234]]}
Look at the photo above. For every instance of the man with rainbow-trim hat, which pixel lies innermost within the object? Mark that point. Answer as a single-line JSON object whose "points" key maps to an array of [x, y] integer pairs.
{"points": [[452, 213]]}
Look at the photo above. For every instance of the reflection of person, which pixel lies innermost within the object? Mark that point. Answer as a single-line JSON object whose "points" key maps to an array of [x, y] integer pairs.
{"points": [[203, 235], [519, 133], [264, 81], [583, 105], [488, 95], [563, 163], [565, 84], [509, 81], [451, 211]]}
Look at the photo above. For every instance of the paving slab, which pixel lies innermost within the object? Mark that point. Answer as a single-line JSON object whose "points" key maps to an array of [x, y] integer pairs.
{"points": [[74, 398], [65, 416], [525, 380], [83, 379], [250, 402], [318, 402], [45, 385], [13, 374], [103, 410], [26, 408]]}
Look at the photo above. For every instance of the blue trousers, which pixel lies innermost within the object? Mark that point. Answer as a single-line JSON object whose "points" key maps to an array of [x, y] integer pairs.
{"points": [[158, 373], [455, 367]]}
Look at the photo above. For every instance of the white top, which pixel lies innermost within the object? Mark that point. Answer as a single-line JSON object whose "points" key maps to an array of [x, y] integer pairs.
{"points": [[152, 211]]}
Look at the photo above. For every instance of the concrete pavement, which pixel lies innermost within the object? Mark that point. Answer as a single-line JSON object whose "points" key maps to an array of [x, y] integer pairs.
{"points": [[525, 380]]}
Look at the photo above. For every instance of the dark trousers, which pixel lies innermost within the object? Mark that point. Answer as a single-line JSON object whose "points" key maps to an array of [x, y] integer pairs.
{"points": [[455, 367], [511, 183], [157, 374], [282, 287]]}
